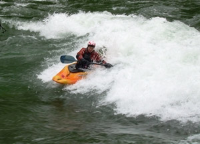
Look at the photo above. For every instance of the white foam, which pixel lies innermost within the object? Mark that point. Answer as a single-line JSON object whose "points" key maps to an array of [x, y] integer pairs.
{"points": [[21, 4], [157, 63], [51, 71], [194, 139]]}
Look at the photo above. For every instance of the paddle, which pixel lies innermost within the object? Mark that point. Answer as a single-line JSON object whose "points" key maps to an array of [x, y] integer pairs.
{"points": [[71, 59], [67, 59]]}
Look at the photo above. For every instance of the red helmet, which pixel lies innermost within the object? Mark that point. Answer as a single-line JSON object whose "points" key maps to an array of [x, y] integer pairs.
{"points": [[91, 43]]}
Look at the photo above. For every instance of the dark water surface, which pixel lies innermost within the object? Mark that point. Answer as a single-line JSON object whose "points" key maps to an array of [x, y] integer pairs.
{"points": [[33, 109]]}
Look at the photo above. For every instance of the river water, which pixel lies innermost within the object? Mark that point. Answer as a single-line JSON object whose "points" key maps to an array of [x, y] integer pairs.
{"points": [[150, 96]]}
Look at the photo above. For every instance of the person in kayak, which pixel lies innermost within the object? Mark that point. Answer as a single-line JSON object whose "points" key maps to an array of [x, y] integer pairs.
{"points": [[87, 55]]}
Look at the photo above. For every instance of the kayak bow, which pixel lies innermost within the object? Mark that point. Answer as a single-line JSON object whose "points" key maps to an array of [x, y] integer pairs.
{"points": [[69, 74]]}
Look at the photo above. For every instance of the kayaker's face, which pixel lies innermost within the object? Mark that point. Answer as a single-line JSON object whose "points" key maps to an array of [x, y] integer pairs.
{"points": [[90, 49]]}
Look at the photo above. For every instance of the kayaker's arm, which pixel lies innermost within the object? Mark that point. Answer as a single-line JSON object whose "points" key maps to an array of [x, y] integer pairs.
{"points": [[79, 55], [98, 59]]}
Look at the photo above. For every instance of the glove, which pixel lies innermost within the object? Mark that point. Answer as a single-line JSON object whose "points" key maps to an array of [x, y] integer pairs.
{"points": [[108, 65], [85, 62]]}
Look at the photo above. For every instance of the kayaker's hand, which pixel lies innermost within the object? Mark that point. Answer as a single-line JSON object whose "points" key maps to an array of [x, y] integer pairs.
{"points": [[108, 65], [85, 62]]}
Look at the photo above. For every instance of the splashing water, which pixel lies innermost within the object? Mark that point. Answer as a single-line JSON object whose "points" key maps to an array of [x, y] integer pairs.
{"points": [[157, 63]]}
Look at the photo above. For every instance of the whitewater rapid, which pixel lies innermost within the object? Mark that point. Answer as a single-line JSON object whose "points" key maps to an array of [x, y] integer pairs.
{"points": [[157, 62]]}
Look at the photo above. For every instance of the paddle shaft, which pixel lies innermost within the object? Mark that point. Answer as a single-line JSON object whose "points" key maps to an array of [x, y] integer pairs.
{"points": [[71, 59]]}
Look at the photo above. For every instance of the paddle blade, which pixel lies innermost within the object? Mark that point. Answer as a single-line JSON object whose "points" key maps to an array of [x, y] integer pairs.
{"points": [[67, 59]]}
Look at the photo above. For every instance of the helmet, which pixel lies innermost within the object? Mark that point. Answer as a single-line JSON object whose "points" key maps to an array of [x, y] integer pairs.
{"points": [[91, 43]]}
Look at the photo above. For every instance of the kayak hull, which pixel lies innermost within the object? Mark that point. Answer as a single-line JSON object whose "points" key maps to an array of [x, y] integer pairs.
{"points": [[69, 75]]}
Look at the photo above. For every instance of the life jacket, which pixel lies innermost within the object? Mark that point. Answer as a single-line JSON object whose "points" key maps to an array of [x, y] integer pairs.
{"points": [[87, 56]]}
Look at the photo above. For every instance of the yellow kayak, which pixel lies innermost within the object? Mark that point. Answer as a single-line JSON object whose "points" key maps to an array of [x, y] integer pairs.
{"points": [[69, 75]]}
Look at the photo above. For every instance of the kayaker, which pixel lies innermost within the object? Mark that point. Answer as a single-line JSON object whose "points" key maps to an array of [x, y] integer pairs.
{"points": [[87, 55]]}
